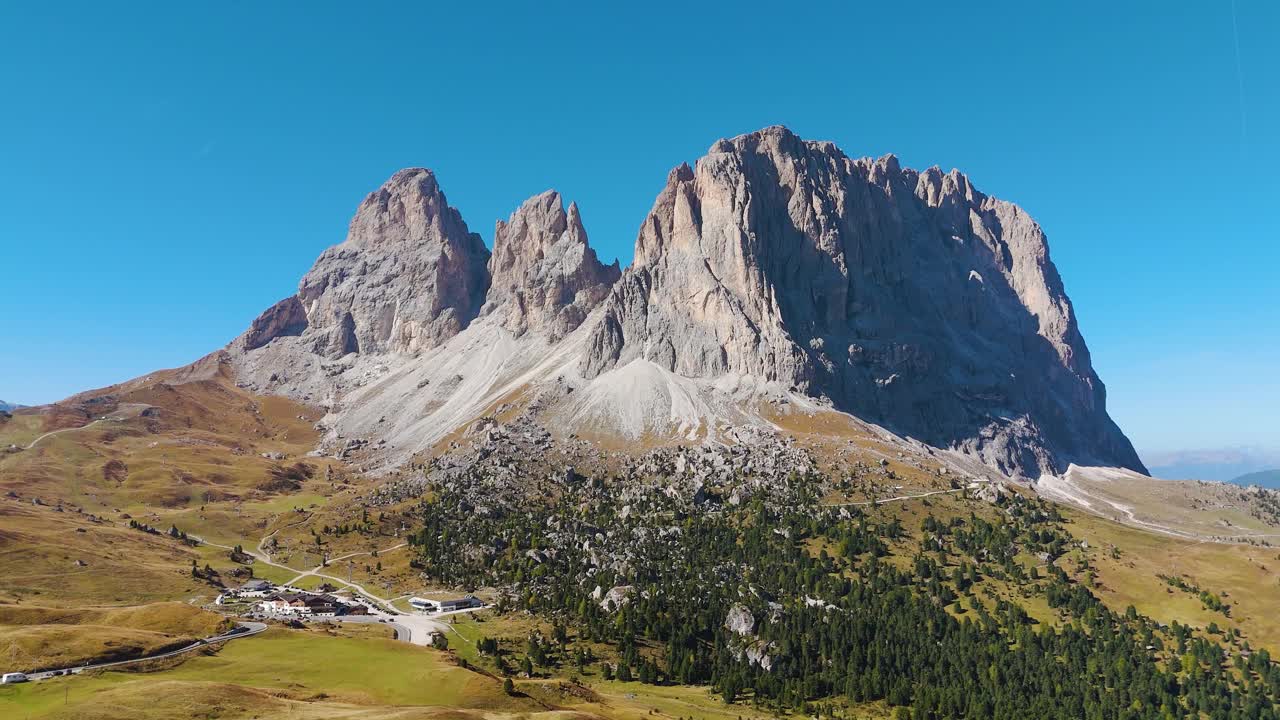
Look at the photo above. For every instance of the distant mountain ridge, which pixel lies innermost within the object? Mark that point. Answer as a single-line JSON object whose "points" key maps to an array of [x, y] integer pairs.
{"points": [[1219, 464], [775, 272], [1264, 478], [8, 406]]}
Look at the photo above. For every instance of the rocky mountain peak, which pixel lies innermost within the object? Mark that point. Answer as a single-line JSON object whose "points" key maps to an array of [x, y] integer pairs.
{"points": [[773, 267], [905, 298], [409, 275], [545, 276], [408, 207]]}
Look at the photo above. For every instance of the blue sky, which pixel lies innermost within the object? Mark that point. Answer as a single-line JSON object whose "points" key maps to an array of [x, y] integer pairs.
{"points": [[167, 171]]}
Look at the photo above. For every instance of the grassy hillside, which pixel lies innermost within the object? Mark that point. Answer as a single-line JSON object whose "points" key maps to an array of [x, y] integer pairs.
{"points": [[872, 544], [202, 456], [281, 673], [36, 638]]}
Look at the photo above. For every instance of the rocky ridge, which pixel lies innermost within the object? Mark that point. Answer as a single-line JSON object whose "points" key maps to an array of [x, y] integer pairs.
{"points": [[409, 275], [774, 272]]}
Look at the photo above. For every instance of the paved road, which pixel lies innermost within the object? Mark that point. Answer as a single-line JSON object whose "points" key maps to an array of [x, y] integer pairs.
{"points": [[404, 633], [243, 630], [412, 628]]}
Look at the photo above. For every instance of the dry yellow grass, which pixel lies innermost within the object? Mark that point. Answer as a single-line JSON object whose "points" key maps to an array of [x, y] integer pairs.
{"points": [[282, 674], [51, 558], [1247, 576], [35, 638], [188, 454]]}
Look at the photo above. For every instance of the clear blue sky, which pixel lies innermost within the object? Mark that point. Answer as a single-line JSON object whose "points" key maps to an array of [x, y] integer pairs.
{"points": [[167, 171]]}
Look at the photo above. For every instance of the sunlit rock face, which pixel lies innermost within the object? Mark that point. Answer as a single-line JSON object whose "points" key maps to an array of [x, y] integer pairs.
{"points": [[907, 298]]}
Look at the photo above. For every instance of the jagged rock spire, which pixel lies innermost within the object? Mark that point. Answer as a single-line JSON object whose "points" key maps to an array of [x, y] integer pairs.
{"points": [[545, 277]]}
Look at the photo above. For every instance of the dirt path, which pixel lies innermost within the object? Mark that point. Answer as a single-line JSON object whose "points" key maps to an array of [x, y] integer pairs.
{"points": [[316, 570], [33, 443], [262, 556], [410, 628], [894, 499], [1064, 490], [124, 412]]}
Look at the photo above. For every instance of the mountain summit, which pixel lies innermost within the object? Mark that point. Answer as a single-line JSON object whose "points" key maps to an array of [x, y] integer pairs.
{"points": [[906, 298], [775, 270]]}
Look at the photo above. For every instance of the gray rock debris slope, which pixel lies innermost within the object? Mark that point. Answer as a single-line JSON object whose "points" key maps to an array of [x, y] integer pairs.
{"points": [[907, 298]]}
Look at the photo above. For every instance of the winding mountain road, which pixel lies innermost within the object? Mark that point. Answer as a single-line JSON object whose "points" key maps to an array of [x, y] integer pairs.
{"points": [[242, 630]]}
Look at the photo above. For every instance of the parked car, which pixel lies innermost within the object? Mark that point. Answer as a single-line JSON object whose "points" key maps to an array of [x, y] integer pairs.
{"points": [[13, 677]]}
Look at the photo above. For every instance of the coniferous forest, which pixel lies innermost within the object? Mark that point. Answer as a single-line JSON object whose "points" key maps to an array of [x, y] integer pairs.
{"points": [[776, 599]]}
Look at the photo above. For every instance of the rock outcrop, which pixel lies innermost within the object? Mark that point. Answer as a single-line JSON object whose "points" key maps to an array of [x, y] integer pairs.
{"points": [[545, 276], [907, 298], [286, 317]]}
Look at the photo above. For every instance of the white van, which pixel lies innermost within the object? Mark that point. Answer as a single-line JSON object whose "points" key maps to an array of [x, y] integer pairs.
{"points": [[8, 678]]}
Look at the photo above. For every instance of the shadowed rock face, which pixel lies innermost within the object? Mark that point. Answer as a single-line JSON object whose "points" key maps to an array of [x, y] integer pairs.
{"points": [[544, 274], [409, 276], [907, 298]]}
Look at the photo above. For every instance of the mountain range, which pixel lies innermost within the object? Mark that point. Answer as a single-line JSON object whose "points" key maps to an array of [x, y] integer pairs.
{"points": [[774, 273], [1219, 464], [1263, 478], [720, 452]]}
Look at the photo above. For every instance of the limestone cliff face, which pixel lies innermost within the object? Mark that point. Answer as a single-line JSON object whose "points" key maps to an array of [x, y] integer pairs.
{"points": [[907, 298], [545, 276]]}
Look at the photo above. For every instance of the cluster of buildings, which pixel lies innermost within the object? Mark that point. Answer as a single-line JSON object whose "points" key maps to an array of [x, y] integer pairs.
{"points": [[295, 604], [308, 605], [290, 602]]}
